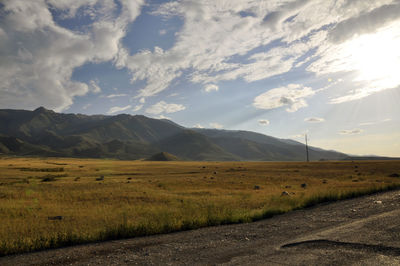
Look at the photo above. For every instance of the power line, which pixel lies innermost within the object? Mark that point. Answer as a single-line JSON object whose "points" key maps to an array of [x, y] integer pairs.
{"points": [[307, 148]]}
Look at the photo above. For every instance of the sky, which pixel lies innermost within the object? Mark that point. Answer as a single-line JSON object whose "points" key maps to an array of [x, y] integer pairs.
{"points": [[326, 68]]}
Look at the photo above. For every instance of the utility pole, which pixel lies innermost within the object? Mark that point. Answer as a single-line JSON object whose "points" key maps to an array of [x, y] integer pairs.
{"points": [[307, 148]]}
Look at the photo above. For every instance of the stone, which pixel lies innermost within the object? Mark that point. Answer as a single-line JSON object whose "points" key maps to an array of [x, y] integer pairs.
{"points": [[285, 193], [55, 218]]}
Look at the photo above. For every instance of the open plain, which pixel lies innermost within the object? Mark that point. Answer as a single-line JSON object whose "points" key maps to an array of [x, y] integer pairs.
{"points": [[49, 203]]}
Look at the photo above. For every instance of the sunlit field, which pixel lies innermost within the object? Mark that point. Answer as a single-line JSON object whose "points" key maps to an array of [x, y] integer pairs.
{"points": [[47, 203]]}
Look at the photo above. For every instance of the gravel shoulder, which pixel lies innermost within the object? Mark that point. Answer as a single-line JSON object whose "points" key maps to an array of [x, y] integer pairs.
{"points": [[360, 231]]}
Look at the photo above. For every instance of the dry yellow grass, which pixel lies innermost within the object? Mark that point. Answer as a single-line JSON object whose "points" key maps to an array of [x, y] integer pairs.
{"points": [[139, 198]]}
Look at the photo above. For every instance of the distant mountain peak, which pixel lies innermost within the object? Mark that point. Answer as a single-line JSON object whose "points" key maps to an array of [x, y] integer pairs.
{"points": [[163, 156], [41, 109]]}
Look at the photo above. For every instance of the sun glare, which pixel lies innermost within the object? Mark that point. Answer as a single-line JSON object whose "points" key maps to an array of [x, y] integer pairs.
{"points": [[376, 58]]}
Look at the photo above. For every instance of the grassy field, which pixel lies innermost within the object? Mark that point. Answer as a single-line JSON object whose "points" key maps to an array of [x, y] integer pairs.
{"points": [[48, 202]]}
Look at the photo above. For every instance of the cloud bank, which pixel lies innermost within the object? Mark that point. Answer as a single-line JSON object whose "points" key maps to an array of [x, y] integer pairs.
{"points": [[218, 41], [38, 55], [293, 96]]}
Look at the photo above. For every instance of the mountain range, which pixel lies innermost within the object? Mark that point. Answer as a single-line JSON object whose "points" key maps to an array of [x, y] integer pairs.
{"points": [[44, 132]]}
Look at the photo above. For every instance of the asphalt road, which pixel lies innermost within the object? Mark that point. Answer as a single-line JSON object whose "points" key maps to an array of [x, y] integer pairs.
{"points": [[361, 231]]}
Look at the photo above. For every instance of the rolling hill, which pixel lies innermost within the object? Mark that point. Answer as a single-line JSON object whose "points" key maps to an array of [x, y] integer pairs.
{"points": [[44, 132], [163, 156]]}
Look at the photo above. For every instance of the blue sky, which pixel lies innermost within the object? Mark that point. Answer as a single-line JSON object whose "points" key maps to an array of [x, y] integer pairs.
{"points": [[279, 67]]}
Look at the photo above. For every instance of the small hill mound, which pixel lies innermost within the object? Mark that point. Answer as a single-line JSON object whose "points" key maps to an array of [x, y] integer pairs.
{"points": [[163, 156]]}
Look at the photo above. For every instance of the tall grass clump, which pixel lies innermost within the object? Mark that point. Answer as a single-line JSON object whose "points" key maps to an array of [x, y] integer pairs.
{"points": [[342, 195]]}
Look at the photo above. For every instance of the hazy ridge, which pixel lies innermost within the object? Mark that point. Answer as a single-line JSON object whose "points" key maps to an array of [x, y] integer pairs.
{"points": [[44, 132]]}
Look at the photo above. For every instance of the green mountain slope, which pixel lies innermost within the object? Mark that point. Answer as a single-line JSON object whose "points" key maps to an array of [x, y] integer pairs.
{"points": [[190, 145], [253, 146], [44, 132]]}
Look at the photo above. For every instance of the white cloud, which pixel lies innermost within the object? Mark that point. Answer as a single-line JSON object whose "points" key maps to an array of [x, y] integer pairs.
{"points": [[163, 117], [198, 126], [314, 120], [210, 88], [365, 23], [94, 86], [110, 96], [157, 68], [216, 125], [117, 109], [291, 96], [162, 32], [367, 124], [351, 131], [206, 46], [38, 56], [263, 122], [163, 107], [137, 107], [374, 122]]}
